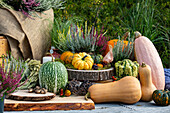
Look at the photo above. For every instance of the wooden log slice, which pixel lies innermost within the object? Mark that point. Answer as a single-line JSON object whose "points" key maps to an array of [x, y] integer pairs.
{"points": [[25, 96], [91, 75], [57, 103]]}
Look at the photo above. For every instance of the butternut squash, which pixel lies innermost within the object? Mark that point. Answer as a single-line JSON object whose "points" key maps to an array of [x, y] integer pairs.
{"points": [[147, 86], [146, 52], [126, 90]]}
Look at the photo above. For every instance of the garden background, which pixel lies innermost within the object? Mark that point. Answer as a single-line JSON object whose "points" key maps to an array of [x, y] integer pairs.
{"points": [[150, 17]]}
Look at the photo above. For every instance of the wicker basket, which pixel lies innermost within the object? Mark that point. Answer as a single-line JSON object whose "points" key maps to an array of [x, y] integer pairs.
{"points": [[91, 75]]}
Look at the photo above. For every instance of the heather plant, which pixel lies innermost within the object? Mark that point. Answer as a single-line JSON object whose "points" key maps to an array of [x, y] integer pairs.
{"points": [[71, 37], [29, 68], [9, 81], [30, 7], [59, 33]]}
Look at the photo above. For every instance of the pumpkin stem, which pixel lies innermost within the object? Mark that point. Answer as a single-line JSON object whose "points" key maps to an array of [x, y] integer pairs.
{"points": [[52, 57], [87, 95], [143, 64], [137, 34], [84, 57]]}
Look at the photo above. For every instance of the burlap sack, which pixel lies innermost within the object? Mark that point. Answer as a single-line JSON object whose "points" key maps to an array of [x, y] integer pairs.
{"points": [[28, 38]]}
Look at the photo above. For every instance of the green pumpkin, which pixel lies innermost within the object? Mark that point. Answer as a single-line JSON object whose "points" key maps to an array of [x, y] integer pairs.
{"points": [[126, 68], [53, 76], [161, 97], [97, 58]]}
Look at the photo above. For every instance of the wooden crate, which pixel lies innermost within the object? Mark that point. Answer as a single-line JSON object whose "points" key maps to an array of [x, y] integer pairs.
{"points": [[4, 47]]}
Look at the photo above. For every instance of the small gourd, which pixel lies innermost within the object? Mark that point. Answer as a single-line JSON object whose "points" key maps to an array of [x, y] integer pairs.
{"points": [[147, 86], [161, 97], [82, 61], [67, 93], [100, 65], [126, 68], [67, 57], [97, 58]]}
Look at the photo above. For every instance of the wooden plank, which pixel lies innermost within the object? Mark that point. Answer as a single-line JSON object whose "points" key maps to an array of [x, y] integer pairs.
{"points": [[4, 47], [57, 103]]}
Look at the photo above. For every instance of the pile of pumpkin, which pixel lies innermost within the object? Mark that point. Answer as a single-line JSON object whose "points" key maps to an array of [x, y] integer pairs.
{"points": [[83, 61], [54, 76], [130, 89]]}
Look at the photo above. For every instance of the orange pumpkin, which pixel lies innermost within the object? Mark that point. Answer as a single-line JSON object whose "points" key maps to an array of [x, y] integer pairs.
{"points": [[67, 57], [114, 42], [100, 65]]}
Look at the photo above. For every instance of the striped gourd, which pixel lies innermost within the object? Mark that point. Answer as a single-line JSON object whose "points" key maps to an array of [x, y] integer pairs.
{"points": [[53, 76], [126, 68]]}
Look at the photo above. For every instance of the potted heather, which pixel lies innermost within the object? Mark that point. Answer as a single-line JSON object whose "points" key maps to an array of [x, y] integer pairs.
{"points": [[9, 82], [28, 22]]}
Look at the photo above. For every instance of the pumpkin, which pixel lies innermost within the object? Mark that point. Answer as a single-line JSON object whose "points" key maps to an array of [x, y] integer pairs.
{"points": [[100, 65], [146, 82], [67, 93], [97, 58], [67, 57], [53, 76], [82, 61], [161, 97], [114, 42], [146, 52], [126, 68], [126, 90]]}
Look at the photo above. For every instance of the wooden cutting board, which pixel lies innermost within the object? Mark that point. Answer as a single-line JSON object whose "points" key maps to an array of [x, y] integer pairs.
{"points": [[57, 103]]}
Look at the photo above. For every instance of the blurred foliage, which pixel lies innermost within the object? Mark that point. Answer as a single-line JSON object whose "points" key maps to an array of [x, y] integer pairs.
{"points": [[119, 16]]}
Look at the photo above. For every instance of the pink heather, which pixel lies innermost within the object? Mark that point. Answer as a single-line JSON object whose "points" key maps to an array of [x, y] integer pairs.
{"points": [[9, 81]]}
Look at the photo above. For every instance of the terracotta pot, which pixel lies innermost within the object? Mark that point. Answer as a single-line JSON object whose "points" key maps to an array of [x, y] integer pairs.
{"points": [[2, 104]]}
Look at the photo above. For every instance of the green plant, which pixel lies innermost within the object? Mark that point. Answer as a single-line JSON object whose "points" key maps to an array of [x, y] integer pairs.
{"points": [[121, 52], [14, 65], [119, 16], [145, 17], [9, 81], [59, 34], [74, 38]]}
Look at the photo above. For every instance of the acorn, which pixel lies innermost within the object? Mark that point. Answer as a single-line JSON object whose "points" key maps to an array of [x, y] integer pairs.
{"points": [[31, 90], [38, 91]]}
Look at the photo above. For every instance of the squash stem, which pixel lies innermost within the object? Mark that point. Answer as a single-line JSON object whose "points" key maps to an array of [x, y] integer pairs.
{"points": [[137, 34], [52, 57], [143, 64], [84, 57], [87, 95]]}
